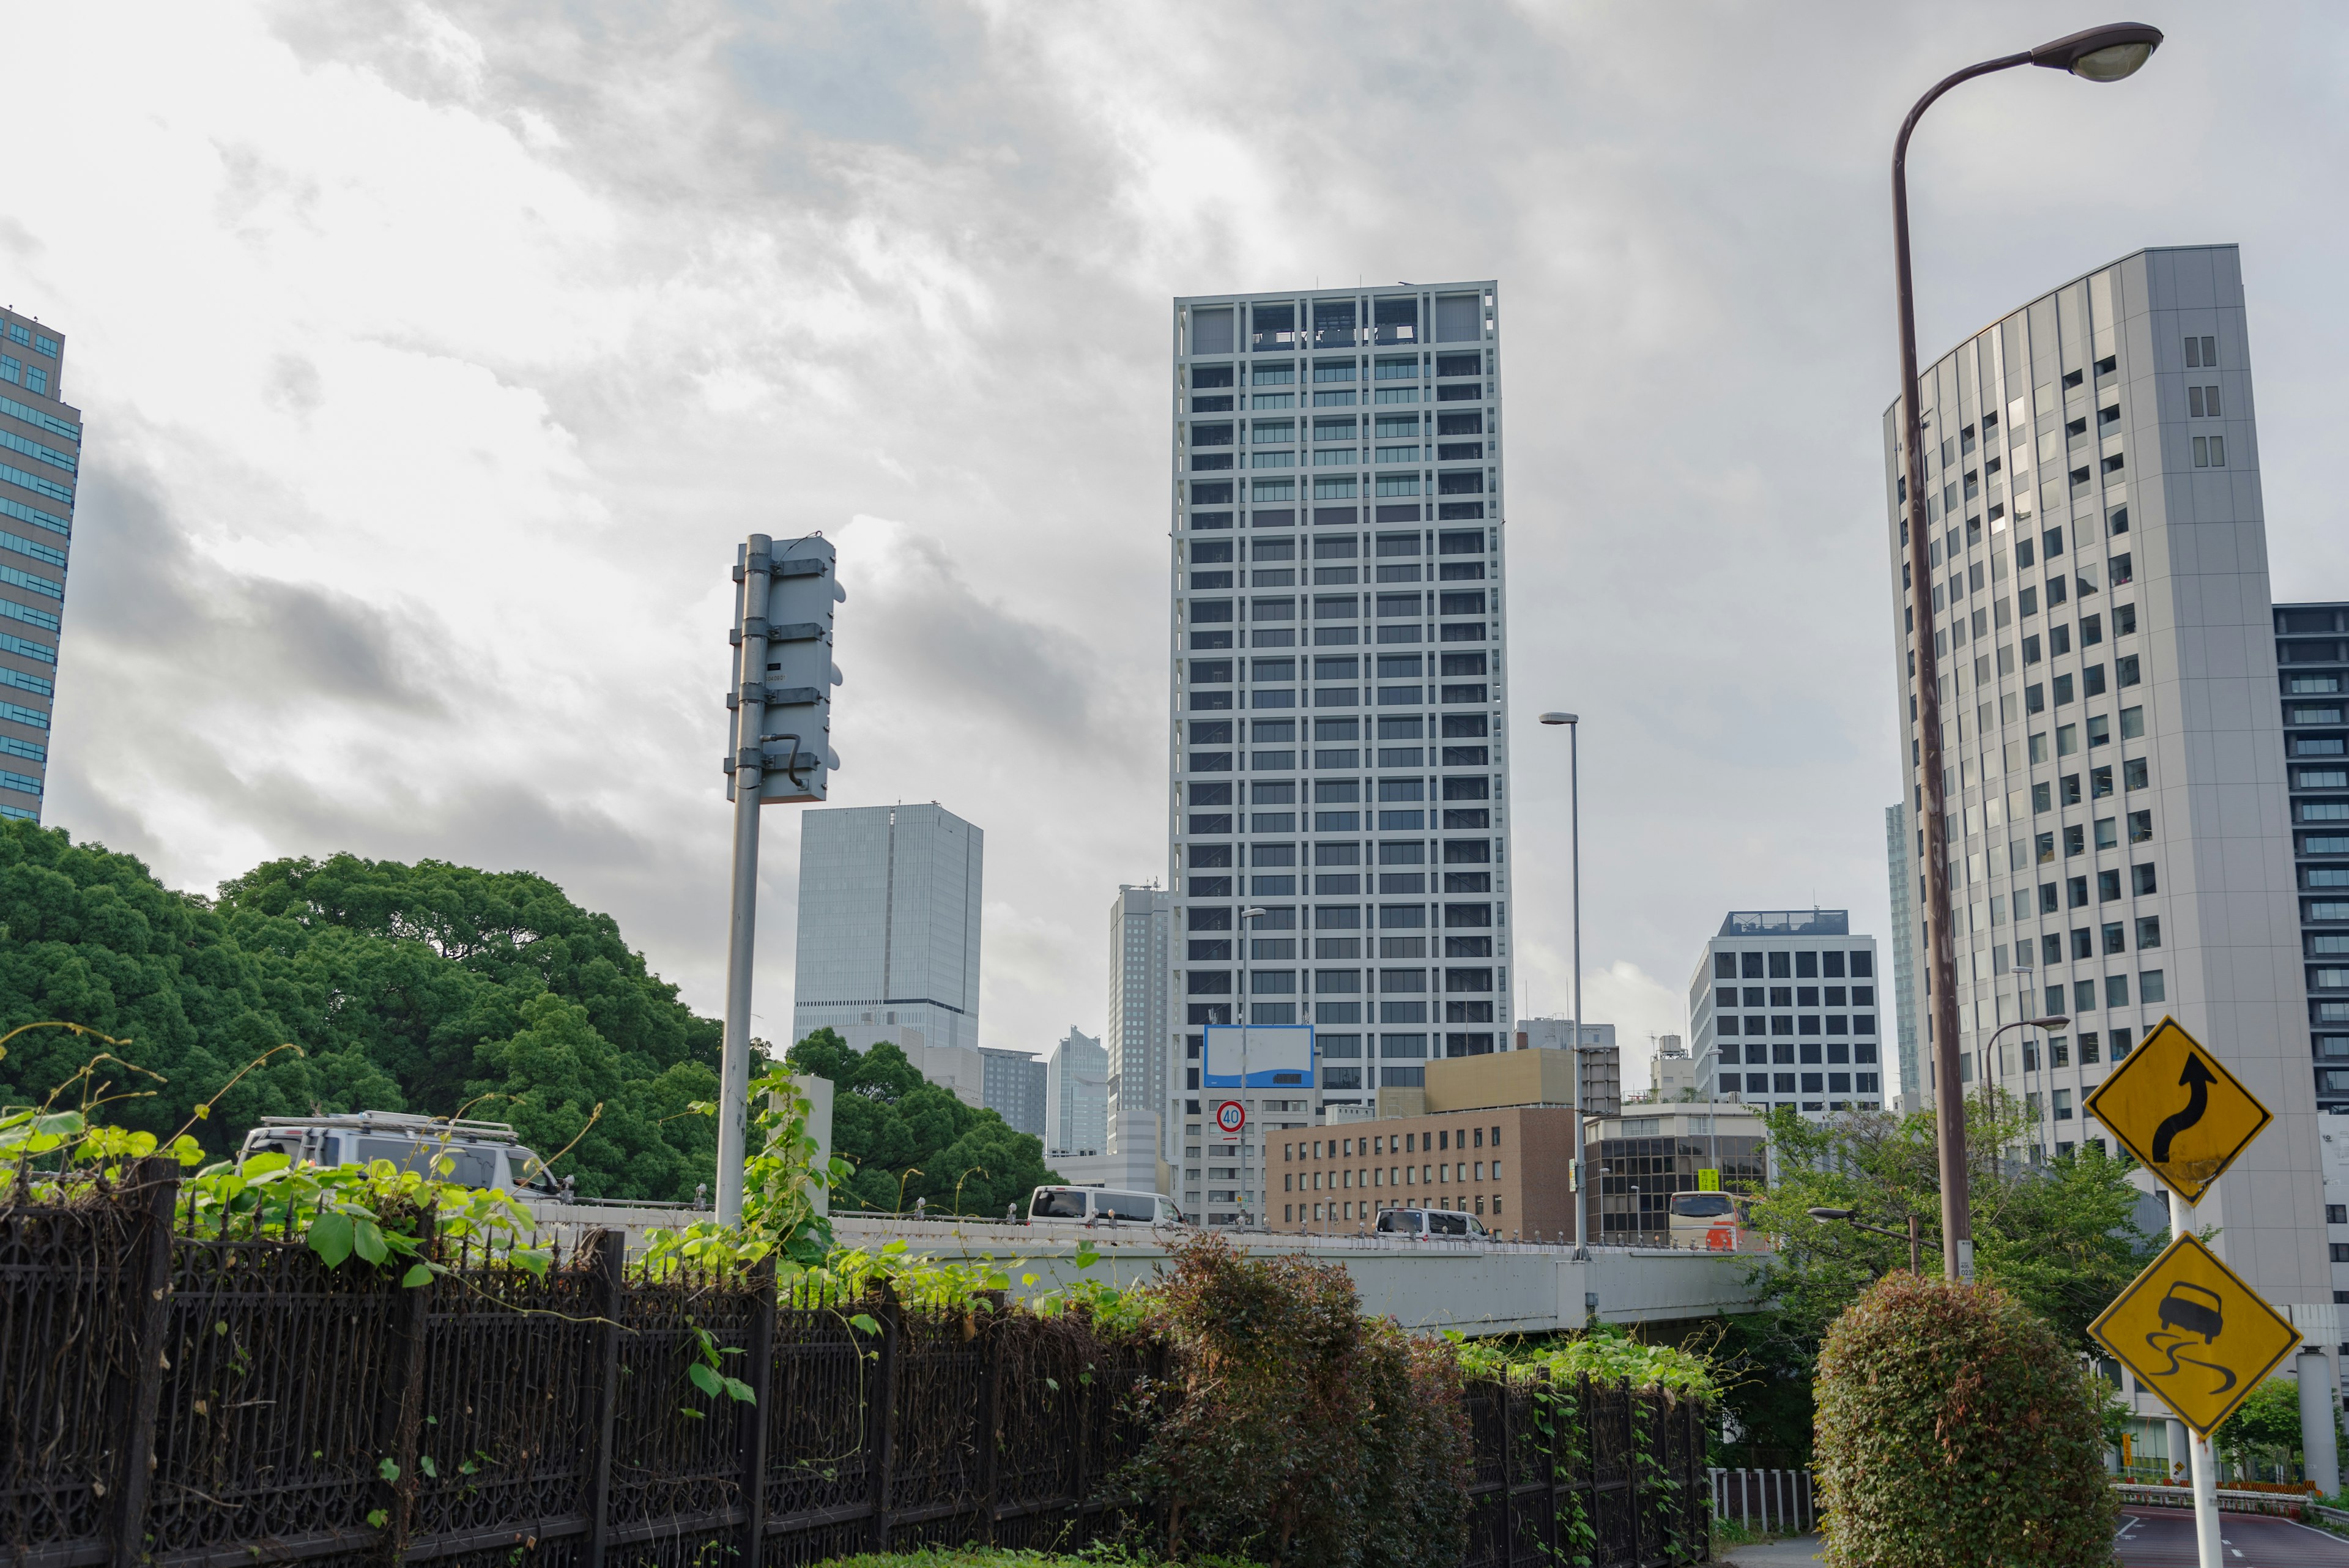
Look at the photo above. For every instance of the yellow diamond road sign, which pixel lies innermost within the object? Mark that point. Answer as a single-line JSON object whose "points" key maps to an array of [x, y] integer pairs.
{"points": [[2182, 1114], [2195, 1334]]}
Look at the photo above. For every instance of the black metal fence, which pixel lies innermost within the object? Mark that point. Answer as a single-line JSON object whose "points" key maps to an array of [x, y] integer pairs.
{"points": [[205, 1403]]}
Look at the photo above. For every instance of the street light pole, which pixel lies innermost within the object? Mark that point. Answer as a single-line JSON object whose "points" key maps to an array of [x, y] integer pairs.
{"points": [[1248, 919], [2100, 54], [1573, 723]]}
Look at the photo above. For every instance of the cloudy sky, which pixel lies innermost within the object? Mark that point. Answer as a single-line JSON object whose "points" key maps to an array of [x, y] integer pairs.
{"points": [[435, 358]]}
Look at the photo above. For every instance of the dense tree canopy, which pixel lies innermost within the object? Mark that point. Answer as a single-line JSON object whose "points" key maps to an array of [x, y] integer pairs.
{"points": [[2061, 1237], [909, 1139], [431, 988]]}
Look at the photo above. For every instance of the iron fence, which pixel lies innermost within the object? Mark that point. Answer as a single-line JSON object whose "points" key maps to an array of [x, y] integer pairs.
{"points": [[210, 1402]]}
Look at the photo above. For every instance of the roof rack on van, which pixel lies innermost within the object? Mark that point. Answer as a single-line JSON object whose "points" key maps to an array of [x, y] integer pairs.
{"points": [[399, 1121]]}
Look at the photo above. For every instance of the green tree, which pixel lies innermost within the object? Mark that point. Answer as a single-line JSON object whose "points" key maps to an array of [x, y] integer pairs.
{"points": [[2060, 1236], [431, 988], [2264, 1430], [1954, 1428], [908, 1138]]}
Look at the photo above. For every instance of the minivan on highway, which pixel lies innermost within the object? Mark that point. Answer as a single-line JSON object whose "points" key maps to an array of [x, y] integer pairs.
{"points": [[1093, 1204], [467, 1153], [1437, 1222]]}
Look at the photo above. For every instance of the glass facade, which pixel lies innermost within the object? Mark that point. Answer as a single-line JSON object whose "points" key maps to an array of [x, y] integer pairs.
{"points": [[40, 465], [1338, 752], [2312, 674]]}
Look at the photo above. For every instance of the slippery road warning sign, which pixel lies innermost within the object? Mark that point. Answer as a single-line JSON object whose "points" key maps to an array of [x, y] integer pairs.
{"points": [[2182, 1114], [2195, 1334]]}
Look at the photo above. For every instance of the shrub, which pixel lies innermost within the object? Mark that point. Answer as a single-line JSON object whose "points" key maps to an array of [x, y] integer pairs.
{"points": [[1953, 1429], [1292, 1431]]}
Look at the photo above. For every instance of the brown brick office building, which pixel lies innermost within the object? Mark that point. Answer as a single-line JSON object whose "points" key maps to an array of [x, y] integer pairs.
{"points": [[1511, 1166]]}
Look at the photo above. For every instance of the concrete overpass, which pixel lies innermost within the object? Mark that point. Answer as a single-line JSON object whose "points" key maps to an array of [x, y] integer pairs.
{"points": [[1475, 1287]]}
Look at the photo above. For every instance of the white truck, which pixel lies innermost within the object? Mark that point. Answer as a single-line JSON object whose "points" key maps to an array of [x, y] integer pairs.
{"points": [[470, 1153]]}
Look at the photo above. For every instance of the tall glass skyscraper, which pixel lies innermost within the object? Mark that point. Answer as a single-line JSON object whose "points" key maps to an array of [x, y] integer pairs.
{"points": [[888, 933], [2119, 840], [1337, 827], [40, 457]]}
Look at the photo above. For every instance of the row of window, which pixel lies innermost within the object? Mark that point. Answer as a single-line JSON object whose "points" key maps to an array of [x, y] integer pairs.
{"points": [[1750, 1084], [32, 377], [1794, 1023], [1760, 1053], [1341, 666], [1452, 819], [40, 419], [36, 449], [1345, 428], [1282, 492]]}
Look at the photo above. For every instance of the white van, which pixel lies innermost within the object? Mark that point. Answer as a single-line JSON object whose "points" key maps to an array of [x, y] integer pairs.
{"points": [[477, 1154], [1100, 1205], [1436, 1222]]}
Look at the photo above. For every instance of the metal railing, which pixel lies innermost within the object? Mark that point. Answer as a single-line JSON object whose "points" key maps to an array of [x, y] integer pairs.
{"points": [[1777, 1502]]}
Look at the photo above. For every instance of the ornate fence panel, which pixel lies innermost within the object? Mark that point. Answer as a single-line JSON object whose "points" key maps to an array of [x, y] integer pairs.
{"points": [[333, 1418], [1611, 1477]]}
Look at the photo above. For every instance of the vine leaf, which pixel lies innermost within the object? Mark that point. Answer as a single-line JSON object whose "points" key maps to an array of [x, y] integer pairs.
{"points": [[863, 1322], [330, 1238], [367, 1241], [706, 1378], [420, 1274]]}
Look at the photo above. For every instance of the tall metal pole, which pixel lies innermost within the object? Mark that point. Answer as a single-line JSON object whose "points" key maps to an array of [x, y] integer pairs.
{"points": [[1574, 813], [2098, 53], [1941, 951], [2207, 1544], [750, 716]]}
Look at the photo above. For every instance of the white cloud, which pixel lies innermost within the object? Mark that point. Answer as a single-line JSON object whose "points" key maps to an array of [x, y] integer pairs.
{"points": [[436, 358]]}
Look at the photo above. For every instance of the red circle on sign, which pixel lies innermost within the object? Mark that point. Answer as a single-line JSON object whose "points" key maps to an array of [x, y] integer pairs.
{"points": [[1231, 1115]]}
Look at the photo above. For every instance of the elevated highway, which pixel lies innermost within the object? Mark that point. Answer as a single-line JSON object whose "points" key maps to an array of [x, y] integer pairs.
{"points": [[1474, 1287]]}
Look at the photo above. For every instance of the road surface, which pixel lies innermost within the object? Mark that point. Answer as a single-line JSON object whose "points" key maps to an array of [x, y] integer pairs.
{"points": [[2164, 1538]]}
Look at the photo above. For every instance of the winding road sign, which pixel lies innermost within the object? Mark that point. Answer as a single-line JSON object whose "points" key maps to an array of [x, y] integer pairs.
{"points": [[2174, 1106], [2195, 1334]]}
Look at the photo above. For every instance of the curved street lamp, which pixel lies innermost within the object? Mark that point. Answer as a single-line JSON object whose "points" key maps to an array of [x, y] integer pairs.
{"points": [[2098, 55]]}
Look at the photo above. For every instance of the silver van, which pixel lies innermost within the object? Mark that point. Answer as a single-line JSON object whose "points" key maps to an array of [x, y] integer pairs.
{"points": [[1097, 1205], [477, 1154], [1438, 1222]]}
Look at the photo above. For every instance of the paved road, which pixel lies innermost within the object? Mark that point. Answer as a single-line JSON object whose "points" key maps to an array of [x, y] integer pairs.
{"points": [[2164, 1538]]}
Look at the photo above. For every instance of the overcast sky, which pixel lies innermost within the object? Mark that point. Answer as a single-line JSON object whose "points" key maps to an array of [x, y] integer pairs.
{"points": [[435, 358]]}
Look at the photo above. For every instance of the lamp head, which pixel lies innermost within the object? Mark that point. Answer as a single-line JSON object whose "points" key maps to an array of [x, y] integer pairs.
{"points": [[2104, 54], [1830, 1213], [2056, 1020], [1559, 719], [1250, 914]]}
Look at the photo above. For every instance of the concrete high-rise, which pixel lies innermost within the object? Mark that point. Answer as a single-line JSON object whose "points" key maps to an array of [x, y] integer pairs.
{"points": [[888, 933], [1902, 867], [38, 471], [1076, 1106], [1337, 673], [1141, 1036], [2314, 669], [1783, 1012], [2119, 842], [1012, 1085]]}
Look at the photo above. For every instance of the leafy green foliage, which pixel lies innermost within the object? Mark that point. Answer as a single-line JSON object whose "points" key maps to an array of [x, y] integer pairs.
{"points": [[1607, 1354], [2061, 1237], [1295, 1431], [2265, 1427], [907, 1138], [431, 988], [1955, 1428]]}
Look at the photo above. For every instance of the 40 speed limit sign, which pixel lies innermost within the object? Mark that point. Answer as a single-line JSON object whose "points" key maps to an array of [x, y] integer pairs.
{"points": [[1230, 1116]]}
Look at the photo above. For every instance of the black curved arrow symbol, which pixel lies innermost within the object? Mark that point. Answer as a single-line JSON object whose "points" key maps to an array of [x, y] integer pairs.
{"points": [[2198, 1080]]}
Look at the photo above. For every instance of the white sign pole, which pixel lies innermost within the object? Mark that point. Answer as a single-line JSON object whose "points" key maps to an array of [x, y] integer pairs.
{"points": [[2207, 1549]]}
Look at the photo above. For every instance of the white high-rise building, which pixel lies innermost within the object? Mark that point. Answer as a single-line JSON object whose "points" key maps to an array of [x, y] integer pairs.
{"points": [[1337, 675], [1783, 1012], [2120, 844], [1142, 1035], [889, 935], [1076, 1103]]}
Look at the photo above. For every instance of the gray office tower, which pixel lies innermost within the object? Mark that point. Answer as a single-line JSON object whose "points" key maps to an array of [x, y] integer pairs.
{"points": [[1901, 865], [2314, 672], [2115, 764], [888, 933], [1142, 1035], [1012, 1085], [1337, 674], [42, 438]]}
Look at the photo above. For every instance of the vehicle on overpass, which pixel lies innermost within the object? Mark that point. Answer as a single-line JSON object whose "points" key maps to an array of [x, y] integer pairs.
{"points": [[468, 1153], [1436, 1222], [1096, 1205], [1714, 1222]]}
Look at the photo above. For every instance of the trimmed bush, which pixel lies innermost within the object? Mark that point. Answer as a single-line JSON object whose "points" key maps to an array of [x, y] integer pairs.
{"points": [[1954, 1431], [1293, 1432]]}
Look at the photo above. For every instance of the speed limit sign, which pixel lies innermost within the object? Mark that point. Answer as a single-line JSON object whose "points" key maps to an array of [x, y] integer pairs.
{"points": [[1230, 1116]]}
